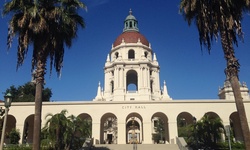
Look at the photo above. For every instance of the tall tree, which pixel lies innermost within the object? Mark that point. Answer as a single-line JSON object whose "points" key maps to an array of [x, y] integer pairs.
{"points": [[26, 93], [76, 132], [159, 129], [48, 25], [65, 133], [56, 126], [205, 133], [222, 18]]}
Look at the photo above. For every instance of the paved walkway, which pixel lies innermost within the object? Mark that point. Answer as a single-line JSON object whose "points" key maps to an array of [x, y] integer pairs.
{"points": [[137, 147]]}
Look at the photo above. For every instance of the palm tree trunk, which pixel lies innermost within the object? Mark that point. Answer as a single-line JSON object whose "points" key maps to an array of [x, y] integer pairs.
{"points": [[232, 74], [37, 118], [38, 103], [241, 111]]}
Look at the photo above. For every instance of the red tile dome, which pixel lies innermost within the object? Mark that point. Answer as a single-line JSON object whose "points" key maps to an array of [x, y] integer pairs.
{"points": [[131, 37]]}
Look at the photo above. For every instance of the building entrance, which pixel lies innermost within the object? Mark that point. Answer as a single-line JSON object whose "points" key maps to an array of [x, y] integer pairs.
{"points": [[109, 138], [133, 132]]}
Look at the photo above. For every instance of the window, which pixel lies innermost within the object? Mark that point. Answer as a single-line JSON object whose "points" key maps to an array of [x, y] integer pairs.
{"points": [[155, 123], [132, 81], [116, 55], [112, 86], [151, 86], [146, 54], [131, 54]]}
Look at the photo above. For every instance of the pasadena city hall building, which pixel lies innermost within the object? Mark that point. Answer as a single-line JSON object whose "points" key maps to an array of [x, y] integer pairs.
{"points": [[132, 96]]}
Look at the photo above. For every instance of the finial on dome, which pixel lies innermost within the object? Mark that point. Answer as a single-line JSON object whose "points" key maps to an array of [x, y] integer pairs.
{"points": [[130, 11]]}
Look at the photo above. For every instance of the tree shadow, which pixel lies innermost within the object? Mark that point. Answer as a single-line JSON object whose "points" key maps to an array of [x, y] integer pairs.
{"points": [[96, 148]]}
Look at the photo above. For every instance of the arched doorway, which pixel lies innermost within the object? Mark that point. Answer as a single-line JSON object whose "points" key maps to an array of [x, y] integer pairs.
{"points": [[235, 126], [212, 115], [10, 124], [28, 130], [184, 119], [109, 129], [160, 129], [134, 132], [88, 123]]}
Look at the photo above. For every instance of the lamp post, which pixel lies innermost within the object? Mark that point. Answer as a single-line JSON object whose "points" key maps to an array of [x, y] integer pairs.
{"points": [[7, 104]]}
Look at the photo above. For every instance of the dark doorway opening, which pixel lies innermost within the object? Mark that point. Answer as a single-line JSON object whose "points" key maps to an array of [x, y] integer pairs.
{"points": [[109, 138]]}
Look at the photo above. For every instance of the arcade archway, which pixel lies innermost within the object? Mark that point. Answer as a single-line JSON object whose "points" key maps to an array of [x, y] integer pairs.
{"points": [[109, 129], [28, 129], [184, 119], [235, 126], [160, 132], [10, 124], [134, 128]]}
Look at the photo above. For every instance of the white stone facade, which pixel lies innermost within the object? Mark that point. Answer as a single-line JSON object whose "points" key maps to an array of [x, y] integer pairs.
{"points": [[144, 113]]}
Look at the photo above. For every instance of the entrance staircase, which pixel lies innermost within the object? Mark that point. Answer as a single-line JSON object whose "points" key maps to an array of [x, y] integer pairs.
{"points": [[139, 147]]}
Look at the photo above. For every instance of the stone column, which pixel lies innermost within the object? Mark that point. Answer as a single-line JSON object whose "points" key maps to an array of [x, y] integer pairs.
{"points": [[147, 132], [144, 77], [96, 131], [173, 131], [116, 78], [147, 77], [20, 126], [139, 78], [121, 132], [223, 136]]}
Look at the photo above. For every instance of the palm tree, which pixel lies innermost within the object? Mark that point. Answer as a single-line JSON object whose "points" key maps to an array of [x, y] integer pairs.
{"points": [[219, 17], [206, 132], [66, 132], [76, 132], [56, 126], [48, 25]]}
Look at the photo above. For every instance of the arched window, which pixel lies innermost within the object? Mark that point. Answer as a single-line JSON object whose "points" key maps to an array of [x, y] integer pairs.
{"points": [[130, 25], [146, 54], [112, 86], [131, 54], [116, 55], [151, 86], [132, 80]]}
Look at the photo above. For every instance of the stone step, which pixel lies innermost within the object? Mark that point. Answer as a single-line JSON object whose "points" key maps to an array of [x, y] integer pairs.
{"points": [[136, 147]]}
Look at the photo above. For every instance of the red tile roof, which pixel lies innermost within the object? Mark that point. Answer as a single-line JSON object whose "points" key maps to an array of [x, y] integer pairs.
{"points": [[131, 37]]}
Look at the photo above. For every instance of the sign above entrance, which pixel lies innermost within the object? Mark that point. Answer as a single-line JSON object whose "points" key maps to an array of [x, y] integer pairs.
{"points": [[134, 107]]}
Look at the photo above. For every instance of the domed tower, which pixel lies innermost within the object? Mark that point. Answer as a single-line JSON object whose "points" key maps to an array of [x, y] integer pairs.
{"points": [[131, 70]]}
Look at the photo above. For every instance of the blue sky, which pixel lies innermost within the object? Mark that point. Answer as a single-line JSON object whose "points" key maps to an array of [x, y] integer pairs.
{"points": [[189, 72]]}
